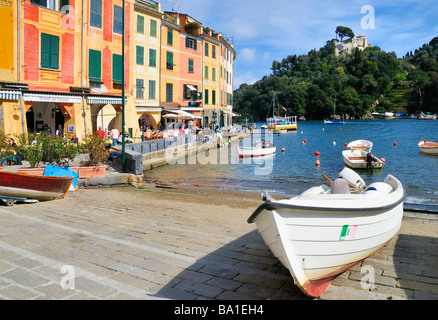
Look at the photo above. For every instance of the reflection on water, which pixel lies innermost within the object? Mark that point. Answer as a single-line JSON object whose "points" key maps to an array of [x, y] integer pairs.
{"points": [[292, 171]]}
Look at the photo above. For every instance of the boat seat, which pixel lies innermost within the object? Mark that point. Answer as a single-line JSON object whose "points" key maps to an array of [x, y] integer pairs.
{"points": [[339, 186]]}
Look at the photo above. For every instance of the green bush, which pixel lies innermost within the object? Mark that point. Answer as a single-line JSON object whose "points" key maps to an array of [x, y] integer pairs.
{"points": [[94, 145]]}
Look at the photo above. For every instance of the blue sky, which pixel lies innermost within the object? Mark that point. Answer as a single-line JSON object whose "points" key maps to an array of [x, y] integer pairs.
{"points": [[267, 30]]}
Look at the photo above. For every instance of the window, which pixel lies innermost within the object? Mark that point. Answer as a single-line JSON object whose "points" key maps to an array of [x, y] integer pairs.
{"points": [[117, 24], [206, 96], [152, 89], [94, 65], [190, 65], [56, 5], [169, 60], [213, 74], [140, 24], [213, 52], [206, 72], [213, 97], [49, 51], [139, 88], [96, 13], [169, 92], [117, 69], [206, 49], [152, 58], [169, 37], [139, 55], [153, 28], [191, 43], [187, 93]]}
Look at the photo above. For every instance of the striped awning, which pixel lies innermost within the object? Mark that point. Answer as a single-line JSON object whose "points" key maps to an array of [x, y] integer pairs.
{"points": [[10, 95], [49, 97], [104, 100]]}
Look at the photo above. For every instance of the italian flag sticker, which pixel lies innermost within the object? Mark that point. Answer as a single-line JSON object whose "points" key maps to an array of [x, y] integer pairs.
{"points": [[348, 232]]}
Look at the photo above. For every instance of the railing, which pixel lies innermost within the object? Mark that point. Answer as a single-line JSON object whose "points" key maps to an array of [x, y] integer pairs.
{"points": [[149, 3]]}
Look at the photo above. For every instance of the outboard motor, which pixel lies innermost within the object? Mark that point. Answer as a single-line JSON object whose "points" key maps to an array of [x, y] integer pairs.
{"points": [[369, 160]]}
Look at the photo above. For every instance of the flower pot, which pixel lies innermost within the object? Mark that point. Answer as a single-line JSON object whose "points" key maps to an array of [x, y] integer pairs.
{"points": [[90, 171]]}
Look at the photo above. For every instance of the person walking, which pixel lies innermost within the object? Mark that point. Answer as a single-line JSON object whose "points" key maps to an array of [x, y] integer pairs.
{"points": [[114, 134]]}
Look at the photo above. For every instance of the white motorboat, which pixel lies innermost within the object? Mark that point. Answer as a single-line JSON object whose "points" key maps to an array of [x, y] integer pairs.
{"points": [[360, 159], [428, 146], [364, 145], [325, 231], [259, 149]]}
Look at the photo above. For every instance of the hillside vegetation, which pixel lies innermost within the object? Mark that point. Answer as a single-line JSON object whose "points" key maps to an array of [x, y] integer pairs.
{"points": [[362, 82]]}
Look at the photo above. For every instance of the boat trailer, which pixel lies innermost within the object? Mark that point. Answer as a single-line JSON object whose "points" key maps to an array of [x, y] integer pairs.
{"points": [[10, 200]]}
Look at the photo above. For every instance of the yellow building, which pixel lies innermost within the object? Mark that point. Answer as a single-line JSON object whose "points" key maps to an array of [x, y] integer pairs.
{"points": [[169, 71], [146, 37]]}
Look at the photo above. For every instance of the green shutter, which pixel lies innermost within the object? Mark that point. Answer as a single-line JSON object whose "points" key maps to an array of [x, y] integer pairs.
{"points": [[206, 72], [139, 88], [117, 68], [94, 65], [153, 26], [213, 74], [96, 13], [140, 24], [169, 60], [213, 97], [152, 58], [206, 96], [140, 55], [169, 37], [152, 89], [191, 65], [49, 51]]}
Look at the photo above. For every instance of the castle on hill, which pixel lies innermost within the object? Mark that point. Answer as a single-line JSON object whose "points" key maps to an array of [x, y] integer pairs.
{"points": [[347, 46]]}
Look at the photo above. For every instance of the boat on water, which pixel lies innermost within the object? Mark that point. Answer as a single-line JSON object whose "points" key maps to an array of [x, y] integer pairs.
{"points": [[280, 124], [334, 121], [38, 187], [428, 146], [426, 116], [364, 145], [324, 231], [259, 149], [360, 159]]}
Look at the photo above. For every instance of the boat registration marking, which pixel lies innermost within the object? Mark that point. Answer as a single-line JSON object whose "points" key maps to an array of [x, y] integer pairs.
{"points": [[348, 232]]}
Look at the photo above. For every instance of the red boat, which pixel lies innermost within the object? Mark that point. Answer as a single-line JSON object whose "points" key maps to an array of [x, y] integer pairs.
{"points": [[33, 186]]}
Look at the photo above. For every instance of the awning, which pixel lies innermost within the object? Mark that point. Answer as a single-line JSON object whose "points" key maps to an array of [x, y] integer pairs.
{"points": [[47, 97], [10, 95], [192, 88], [181, 114], [104, 100]]}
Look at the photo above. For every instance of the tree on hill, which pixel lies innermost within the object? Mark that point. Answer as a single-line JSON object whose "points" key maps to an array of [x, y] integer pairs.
{"points": [[343, 32]]}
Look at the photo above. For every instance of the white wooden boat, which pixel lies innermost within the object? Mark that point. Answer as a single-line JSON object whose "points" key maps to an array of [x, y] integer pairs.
{"points": [[364, 145], [279, 131], [258, 150], [323, 232], [280, 124], [428, 146], [360, 159]]}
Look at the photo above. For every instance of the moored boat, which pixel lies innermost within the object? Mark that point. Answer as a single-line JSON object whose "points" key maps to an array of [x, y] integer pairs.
{"points": [[33, 186], [428, 146], [360, 159], [364, 145], [260, 149], [325, 231]]}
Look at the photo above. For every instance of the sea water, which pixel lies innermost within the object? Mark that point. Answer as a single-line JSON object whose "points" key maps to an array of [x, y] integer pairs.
{"points": [[293, 170]]}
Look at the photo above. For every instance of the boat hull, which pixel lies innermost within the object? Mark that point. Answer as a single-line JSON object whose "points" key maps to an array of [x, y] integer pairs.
{"points": [[318, 242], [245, 152], [33, 186], [429, 147], [357, 159]]}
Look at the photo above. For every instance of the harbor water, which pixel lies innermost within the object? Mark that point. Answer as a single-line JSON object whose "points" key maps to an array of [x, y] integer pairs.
{"points": [[293, 170]]}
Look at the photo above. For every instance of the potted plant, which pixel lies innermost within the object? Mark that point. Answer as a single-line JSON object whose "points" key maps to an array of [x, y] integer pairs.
{"points": [[95, 166]]}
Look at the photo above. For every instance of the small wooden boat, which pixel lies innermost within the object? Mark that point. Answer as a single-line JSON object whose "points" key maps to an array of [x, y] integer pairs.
{"points": [[260, 149], [364, 145], [334, 122], [360, 159], [428, 146], [37, 187], [279, 131], [323, 232]]}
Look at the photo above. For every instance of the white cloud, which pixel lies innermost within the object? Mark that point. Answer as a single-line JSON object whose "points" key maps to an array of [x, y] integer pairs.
{"points": [[246, 55]]}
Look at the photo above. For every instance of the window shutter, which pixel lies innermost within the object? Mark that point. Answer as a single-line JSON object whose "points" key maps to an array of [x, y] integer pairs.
{"points": [[96, 13], [54, 54], [195, 45], [151, 89], [140, 55], [45, 50], [191, 65], [140, 24], [117, 67], [94, 64], [169, 60], [117, 22], [169, 37], [153, 27], [187, 42], [152, 58]]}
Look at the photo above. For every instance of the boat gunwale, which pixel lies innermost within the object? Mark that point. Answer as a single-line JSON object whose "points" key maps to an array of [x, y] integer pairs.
{"points": [[273, 205]]}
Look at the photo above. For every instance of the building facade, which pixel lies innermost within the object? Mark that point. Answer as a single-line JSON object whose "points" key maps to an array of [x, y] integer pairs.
{"points": [[62, 66]]}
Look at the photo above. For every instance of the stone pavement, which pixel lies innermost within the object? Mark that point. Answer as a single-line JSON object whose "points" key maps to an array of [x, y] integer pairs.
{"points": [[127, 243]]}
